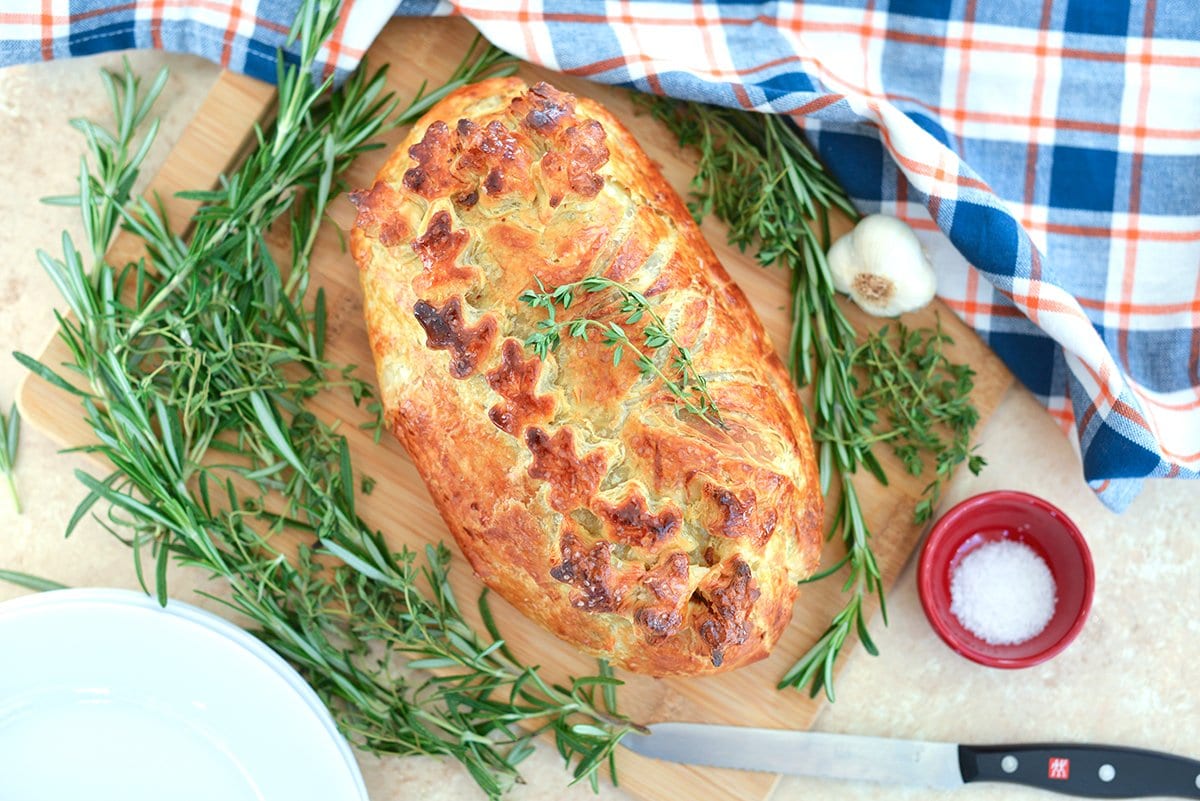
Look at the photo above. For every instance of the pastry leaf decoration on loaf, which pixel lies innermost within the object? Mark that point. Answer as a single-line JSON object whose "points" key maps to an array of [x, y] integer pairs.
{"points": [[683, 381]]}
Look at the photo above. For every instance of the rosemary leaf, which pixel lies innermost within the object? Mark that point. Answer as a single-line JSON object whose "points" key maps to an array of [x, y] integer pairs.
{"points": [[10, 440], [35, 583]]}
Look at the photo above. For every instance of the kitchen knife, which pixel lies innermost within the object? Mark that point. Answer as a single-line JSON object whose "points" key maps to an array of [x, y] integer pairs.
{"points": [[1093, 771]]}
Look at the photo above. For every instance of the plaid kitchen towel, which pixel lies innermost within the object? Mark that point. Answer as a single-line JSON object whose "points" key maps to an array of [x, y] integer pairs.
{"points": [[1047, 151]]}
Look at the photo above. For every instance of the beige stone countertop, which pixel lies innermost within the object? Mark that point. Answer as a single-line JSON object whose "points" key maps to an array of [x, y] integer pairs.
{"points": [[1130, 679]]}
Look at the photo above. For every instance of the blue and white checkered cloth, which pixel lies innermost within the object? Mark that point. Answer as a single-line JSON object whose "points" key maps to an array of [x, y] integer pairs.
{"points": [[1047, 151]]}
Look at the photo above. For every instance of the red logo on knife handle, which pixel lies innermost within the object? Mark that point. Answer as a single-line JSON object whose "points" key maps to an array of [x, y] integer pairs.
{"points": [[1059, 768]]}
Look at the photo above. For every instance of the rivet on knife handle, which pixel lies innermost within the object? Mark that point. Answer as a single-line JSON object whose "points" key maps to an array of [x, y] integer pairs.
{"points": [[1091, 771]]}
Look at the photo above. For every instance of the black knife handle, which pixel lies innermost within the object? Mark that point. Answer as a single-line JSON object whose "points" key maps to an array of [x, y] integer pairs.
{"points": [[1091, 771]]}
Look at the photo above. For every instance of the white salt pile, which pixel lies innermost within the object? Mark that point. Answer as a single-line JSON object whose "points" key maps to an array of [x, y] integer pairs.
{"points": [[1003, 593]]}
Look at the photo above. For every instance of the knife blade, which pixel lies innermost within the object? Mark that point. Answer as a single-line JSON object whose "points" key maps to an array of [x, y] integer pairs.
{"points": [[1093, 771]]}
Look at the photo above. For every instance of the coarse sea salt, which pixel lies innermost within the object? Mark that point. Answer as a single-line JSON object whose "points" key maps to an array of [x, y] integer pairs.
{"points": [[1003, 593]]}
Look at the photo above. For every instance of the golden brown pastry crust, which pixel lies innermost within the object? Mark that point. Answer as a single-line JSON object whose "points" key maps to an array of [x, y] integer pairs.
{"points": [[579, 491]]}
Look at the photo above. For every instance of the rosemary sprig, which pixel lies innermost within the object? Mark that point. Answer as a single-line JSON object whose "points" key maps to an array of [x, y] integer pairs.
{"points": [[758, 175], [687, 385], [10, 439], [26, 581], [195, 377]]}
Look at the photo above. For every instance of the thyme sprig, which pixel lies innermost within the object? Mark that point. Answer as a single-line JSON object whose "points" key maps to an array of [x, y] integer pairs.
{"points": [[686, 384], [10, 440], [194, 369], [757, 174], [906, 377]]}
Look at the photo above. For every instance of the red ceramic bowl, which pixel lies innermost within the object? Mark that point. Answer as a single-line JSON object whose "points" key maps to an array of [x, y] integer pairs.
{"points": [[1027, 519]]}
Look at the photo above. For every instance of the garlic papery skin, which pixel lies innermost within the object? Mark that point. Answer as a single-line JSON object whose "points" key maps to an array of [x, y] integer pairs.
{"points": [[881, 265]]}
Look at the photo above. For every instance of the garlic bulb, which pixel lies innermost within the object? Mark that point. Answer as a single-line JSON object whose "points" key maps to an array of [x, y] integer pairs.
{"points": [[881, 265]]}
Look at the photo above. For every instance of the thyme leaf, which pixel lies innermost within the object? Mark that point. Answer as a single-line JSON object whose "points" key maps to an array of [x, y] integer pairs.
{"points": [[923, 401]]}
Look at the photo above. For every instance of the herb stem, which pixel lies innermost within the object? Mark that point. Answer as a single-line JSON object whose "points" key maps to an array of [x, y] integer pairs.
{"points": [[12, 492], [10, 440]]}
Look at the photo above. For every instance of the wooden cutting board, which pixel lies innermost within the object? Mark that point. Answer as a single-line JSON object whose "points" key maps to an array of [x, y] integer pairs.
{"points": [[420, 50]]}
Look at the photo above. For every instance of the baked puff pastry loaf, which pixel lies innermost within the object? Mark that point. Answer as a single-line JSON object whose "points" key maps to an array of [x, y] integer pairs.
{"points": [[584, 493]]}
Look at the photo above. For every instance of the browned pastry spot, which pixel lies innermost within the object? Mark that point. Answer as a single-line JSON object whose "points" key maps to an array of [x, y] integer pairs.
{"points": [[438, 249], [735, 516], [465, 128], [740, 517], [494, 183], [486, 145], [491, 154], [393, 232], [440, 244], [514, 379], [590, 572], [432, 177], [573, 167], [575, 149], [377, 213], [445, 330], [633, 524], [667, 582], [544, 107], [496, 159], [587, 153], [727, 604], [369, 202], [572, 480]]}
